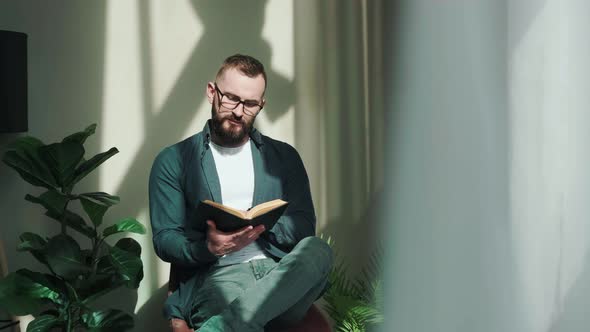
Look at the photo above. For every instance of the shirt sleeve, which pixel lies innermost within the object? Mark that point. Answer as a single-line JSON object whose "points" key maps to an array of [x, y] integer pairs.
{"points": [[167, 215], [299, 220]]}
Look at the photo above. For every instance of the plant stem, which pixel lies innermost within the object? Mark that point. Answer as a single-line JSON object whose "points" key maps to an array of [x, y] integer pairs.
{"points": [[69, 324], [64, 229], [95, 252]]}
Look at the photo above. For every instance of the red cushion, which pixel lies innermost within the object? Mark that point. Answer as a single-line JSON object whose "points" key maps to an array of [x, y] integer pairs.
{"points": [[314, 321]]}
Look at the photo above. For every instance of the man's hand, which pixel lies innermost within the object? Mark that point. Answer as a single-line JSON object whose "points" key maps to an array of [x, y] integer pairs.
{"points": [[220, 243]]}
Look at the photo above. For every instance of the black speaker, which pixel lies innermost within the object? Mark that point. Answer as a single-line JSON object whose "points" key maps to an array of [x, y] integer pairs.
{"points": [[13, 82]]}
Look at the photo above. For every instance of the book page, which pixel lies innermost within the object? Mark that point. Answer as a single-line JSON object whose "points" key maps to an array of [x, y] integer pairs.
{"points": [[235, 212], [263, 208]]}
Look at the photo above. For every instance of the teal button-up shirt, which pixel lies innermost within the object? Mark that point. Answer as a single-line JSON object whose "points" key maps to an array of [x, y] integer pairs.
{"points": [[184, 174]]}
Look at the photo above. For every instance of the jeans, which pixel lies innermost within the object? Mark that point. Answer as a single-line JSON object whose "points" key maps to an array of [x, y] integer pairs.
{"points": [[249, 296]]}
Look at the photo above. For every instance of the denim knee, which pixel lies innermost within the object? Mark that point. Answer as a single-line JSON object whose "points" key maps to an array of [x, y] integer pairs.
{"points": [[316, 253]]}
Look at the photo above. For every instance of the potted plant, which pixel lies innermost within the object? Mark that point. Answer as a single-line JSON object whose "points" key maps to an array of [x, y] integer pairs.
{"points": [[355, 305], [61, 298]]}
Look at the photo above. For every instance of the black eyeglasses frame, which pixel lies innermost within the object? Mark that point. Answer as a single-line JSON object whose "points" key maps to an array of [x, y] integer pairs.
{"points": [[241, 101]]}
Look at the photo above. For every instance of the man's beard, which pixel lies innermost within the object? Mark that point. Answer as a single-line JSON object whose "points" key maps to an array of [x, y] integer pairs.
{"points": [[233, 135]]}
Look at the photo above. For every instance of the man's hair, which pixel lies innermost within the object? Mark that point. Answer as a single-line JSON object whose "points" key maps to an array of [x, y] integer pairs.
{"points": [[246, 64]]}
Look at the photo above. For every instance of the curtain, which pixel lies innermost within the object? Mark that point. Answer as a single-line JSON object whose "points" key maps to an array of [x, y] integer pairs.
{"points": [[339, 118], [487, 166]]}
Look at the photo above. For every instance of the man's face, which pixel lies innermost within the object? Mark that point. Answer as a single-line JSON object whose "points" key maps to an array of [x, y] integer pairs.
{"points": [[232, 127]]}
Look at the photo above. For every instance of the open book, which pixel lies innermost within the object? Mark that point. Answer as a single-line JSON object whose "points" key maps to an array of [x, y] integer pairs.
{"points": [[228, 219]]}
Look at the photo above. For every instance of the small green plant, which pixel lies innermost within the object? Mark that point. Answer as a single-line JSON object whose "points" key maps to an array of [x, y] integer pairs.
{"points": [[61, 298], [355, 305]]}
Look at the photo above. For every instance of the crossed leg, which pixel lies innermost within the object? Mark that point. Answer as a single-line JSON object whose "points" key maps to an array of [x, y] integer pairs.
{"points": [[245, 297]]}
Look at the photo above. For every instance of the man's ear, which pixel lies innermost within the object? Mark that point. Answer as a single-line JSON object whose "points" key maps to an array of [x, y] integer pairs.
{"points": [[210, 91]]}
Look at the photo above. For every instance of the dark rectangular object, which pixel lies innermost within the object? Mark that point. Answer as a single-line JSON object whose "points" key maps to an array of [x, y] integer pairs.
{"points": [[13, 82], [227, 222]]}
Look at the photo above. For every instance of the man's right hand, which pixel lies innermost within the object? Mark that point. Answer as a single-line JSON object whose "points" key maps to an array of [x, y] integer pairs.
{"points": [[220, 243]]}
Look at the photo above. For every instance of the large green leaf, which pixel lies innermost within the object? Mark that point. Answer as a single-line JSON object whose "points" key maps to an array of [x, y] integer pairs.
{"points": [[133, 247], [52, 200], [62, 159], [108, 321], [105, 265], [65, 257], [48, 286], [43, 323], [98, 285], [128, 265], [14, 302], [106, 279], [130, 245], [23, 292], [74, 221], [35, 244], [88, 166], [102, 197], [26, 143], [81, 136], [30, 242], [126, 225], [23, 156], [94, 210]]}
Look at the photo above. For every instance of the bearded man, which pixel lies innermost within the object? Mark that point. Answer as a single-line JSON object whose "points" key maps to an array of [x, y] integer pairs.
{"points": [[254, 277]]}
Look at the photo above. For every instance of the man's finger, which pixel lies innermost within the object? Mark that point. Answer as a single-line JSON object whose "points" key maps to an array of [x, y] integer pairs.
{"points": [[253, 237], [259, 230], [241, 232], [255, 233]]}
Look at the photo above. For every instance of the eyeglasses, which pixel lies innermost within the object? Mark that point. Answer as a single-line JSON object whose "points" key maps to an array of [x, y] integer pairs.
{"points": [[231, 102]]}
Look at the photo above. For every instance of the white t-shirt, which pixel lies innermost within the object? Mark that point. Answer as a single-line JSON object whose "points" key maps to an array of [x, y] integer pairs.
{"points": [[235, 169]]}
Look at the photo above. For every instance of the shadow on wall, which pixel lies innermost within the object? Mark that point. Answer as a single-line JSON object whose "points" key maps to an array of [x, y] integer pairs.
{"points": [[150, 317]]}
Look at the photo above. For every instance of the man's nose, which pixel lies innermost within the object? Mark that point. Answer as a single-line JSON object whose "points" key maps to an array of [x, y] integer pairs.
{"points": [[239, 110]]}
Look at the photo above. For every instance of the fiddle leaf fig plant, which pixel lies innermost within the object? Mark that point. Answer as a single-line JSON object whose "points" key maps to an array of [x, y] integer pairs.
{"points": [[77, 274]]}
